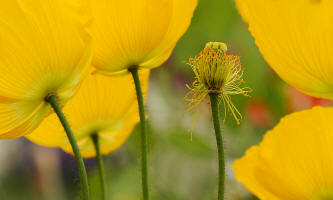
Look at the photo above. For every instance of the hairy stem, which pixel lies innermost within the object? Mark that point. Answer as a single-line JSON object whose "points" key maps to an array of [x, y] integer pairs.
{"points": [[99, 158], [144, 137], [52, 100], [219, 142]]}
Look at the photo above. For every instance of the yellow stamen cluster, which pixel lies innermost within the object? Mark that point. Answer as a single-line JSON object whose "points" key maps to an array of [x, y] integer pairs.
{"points": [[216, 72]]}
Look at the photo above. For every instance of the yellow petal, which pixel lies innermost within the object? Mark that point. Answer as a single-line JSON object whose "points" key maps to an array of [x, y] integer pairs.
{"points": [[294, 160], [45, 48], [103, 105], [138, 32], [295, 38]]}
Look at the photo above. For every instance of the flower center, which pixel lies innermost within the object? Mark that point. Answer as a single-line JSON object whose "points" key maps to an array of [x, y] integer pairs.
{"points": [[99, 126], [323, 195]]}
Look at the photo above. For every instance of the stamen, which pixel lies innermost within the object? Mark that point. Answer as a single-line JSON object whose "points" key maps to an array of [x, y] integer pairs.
{"points": [[216, 72]]}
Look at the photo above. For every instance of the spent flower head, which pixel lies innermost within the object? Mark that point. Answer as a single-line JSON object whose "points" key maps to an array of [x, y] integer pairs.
{"points": [[216, 72]]}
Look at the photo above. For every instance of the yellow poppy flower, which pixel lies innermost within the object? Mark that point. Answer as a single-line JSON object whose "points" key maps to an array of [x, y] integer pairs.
{"points": [[137, 32], [103, 105], [294, 161], [45, 47], [295, 37]]}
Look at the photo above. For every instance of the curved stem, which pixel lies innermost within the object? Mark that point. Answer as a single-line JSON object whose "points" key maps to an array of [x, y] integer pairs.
{"points": [[144, 137], [219, 141], [52, 100], [99, 159]]}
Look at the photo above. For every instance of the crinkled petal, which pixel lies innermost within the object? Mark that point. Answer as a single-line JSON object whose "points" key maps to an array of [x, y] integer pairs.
{"points": [[138, 32], [45, 48], [295, 38], [181, 18], [294, 160]]}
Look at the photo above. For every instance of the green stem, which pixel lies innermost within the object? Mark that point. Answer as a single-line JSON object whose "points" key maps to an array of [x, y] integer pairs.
{"points": [[219, 142], [52, 100], [99, 158], [144, 139]]}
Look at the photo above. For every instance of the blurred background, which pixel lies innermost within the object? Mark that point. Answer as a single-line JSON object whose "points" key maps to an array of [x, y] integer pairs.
{"points": [[180, 168]]}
